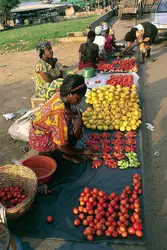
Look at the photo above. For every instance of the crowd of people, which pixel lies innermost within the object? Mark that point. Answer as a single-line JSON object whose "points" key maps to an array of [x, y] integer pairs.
{"points": [[58, 123]]}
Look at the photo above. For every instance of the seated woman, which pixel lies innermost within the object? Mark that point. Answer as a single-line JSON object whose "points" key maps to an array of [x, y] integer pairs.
{"points": [[48, 72], [110, 45], [137, 35], [88, 52], [100, 41], [58, 125]]}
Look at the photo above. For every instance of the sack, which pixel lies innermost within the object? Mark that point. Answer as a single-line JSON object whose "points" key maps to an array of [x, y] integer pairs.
{"points": [[20, 129]]}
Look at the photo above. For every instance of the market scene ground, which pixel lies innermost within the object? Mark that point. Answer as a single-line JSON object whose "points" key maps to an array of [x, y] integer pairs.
{"points": [[16, 89]]}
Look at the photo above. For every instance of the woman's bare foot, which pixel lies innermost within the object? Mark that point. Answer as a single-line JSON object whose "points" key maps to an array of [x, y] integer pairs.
{"points": [[74, 158]]}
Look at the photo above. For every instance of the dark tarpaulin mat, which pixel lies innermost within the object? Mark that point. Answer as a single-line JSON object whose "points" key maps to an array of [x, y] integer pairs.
{"points": [[84, 246], [68, 182]]}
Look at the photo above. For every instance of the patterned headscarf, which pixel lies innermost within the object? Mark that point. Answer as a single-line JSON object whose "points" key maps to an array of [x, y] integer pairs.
{"points": [[41, 47], [98, 30]]}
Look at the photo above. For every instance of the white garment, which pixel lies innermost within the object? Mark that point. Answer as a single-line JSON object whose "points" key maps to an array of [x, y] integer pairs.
{"points": [[100, 41], [139, 27]]}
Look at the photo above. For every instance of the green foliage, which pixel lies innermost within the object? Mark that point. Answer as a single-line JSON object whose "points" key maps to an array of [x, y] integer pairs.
{"points": [[27, 38], [7, 5]]}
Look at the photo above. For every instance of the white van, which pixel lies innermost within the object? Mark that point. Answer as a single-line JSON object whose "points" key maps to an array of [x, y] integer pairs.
{"points": [[159, 17]]}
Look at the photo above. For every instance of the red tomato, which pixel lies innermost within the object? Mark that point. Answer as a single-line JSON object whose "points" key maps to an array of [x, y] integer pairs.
{"points": [[49, 219]]}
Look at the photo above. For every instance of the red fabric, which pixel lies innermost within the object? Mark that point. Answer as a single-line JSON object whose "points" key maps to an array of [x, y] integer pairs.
{"points": [[108, 45], [83, 65]]}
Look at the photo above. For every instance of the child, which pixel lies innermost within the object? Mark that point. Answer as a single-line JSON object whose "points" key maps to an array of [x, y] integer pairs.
{"points": [[88, 52]]}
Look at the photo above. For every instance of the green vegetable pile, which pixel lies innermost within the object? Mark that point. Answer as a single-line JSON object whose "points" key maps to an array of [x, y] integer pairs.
{"points": [[131, 161]]}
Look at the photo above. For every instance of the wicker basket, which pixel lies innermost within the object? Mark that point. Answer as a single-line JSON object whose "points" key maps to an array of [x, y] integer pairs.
{"points": [[24, 177]]}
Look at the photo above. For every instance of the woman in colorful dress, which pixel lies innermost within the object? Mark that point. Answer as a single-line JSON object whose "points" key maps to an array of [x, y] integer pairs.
{"points": [[48, 72], [58, 125]]}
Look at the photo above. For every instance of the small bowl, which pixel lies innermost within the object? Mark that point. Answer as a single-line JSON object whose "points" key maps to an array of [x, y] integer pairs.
{"points": [[88, 72], [43, 166]]}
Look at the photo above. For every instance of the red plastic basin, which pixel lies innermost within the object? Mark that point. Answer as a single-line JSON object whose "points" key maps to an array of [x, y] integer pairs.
{"points": [[43, 166]]}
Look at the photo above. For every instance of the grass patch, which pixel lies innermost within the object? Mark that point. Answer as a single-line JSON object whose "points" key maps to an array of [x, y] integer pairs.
{"points": [[25, 1], [26, 38]]}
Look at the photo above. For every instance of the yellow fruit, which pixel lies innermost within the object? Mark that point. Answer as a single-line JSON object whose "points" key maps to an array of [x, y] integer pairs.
{"points": [[136, 113], [122, 128], [87, 125], [89, 109], [128, 128], [133, 122], [100, 122], [128, 114], [113, 106], [117, 122], [94, 117], [116, 127], [100, 95], [91, 122], [117, 116], [94, 90], [124, 118], [125, 124], [108, 123], [107, 118], [134, 127], [93, 94], [105, 127], [111, 127], [99, 127], [84, 118], [93, 127]]}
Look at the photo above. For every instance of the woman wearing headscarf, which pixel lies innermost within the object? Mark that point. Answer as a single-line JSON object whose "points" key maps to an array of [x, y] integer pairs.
{"points": [[48, 72], [140, 32], [58, 124], [100, 41]]}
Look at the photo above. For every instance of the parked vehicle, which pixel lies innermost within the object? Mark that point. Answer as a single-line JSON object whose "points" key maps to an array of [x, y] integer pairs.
{"points": [[159, 17], [130, 7]]}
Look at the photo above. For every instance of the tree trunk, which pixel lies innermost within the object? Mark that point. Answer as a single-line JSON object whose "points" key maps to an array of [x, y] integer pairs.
{"points": [[6, 18]]}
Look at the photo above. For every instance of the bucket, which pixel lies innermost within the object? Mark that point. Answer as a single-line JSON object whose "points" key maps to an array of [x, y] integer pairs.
{"points": [[43, 166]]}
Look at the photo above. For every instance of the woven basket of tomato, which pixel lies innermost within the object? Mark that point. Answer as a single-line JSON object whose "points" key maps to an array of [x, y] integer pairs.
{"points": [[18, 186]]}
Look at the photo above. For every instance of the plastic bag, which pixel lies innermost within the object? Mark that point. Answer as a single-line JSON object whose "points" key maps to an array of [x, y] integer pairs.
{"points": [[20, 129]]}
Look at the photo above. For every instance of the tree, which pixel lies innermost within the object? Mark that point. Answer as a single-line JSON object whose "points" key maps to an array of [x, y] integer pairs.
{"points": [[6, 6]]}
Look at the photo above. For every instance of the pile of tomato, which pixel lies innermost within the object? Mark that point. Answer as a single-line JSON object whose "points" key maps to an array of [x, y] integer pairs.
{"points": [[128, 65], [12, 196], [122, 80], [110, 215], [110, 149]]}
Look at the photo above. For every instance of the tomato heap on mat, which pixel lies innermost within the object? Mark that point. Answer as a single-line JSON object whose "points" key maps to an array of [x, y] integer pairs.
{"points": [[122, 80], [110, 215], [119, 65]]}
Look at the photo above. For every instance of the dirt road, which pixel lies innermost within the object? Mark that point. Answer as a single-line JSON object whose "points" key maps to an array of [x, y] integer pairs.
{"points": [[15, 83]]}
